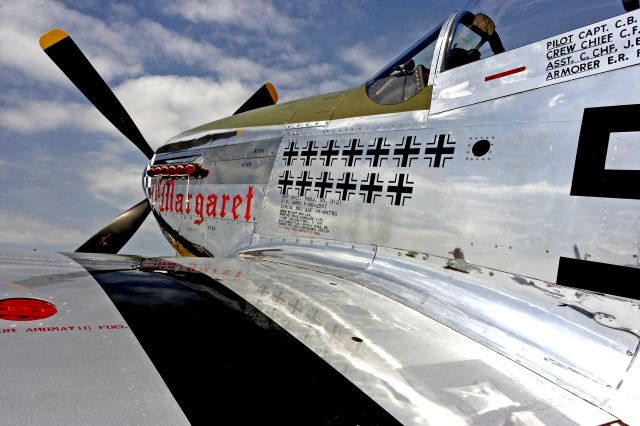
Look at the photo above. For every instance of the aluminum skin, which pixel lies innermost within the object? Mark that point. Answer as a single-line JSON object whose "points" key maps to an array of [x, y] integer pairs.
{"points": [[483, 185], [81, 366]]}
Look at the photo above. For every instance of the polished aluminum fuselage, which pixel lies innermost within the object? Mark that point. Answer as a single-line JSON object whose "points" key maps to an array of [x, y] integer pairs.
{"points": [[463, 211]]}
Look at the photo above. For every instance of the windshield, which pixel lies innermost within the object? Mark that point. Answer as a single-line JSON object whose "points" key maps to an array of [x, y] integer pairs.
{"points": [[405, 76]]}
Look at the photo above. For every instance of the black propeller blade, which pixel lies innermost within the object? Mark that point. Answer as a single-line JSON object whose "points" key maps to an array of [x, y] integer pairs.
{"points": [[266, 95], [116, 233], [67, 56]]}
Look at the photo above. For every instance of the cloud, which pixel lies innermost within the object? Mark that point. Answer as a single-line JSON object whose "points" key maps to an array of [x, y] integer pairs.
{"points": [[37, 116], [20, 55], [24, 22], [161, 43], [161, 106], [261, 16], [123, 52], [116, 183], [29, 231], [148, 241], [117, 50], [167, 105], [484, 187], [365, 60], [123, 10]]}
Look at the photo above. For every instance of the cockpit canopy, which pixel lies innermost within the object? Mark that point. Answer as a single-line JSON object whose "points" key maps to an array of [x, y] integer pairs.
{"points": [[406, 75], [482, 29], [475, 37]]}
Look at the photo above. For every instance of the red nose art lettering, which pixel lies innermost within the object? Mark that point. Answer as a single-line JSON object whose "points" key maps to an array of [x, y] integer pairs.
{"points": [[206, 205], [237, 201], [212, 205], [188, 203], [199, 203], [166, 196], [223, 211], [179, 202], [247, 213]]}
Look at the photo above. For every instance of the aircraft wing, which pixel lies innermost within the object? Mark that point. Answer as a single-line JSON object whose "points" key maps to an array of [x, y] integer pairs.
{"points": [[250, 339]]}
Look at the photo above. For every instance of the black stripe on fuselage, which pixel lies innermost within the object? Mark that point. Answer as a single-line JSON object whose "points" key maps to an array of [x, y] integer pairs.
{"points": [[599, 277], [224, 360]]}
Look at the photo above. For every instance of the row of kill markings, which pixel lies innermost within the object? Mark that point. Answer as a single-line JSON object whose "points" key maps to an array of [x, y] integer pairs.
{"points": [[370, 189], [345, 184], [355, 153]]}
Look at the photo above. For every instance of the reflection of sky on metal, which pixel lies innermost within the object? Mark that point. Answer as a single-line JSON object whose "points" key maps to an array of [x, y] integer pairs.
{"points": [[623, 152], [334, 318], [416, 368], [456, 91], [486, 306], [483, 397]]}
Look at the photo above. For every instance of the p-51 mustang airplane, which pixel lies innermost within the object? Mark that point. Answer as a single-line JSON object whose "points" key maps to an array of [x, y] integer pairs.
{"points": [[455, 241]]}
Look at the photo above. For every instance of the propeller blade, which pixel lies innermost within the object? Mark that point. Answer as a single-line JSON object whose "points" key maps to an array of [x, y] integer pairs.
{"points": [[59, 46], [112, 237], [266, 95]]}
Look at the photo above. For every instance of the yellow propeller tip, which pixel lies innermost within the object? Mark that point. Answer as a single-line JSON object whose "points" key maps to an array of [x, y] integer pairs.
{"points": [[272, 91], [51, 37]]}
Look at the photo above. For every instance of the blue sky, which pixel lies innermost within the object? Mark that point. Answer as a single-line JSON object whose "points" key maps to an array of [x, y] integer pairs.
{"points": [[65, 171]]}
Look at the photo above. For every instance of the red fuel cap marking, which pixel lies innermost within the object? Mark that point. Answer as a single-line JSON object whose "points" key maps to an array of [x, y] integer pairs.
{"points": [[24, 309]]}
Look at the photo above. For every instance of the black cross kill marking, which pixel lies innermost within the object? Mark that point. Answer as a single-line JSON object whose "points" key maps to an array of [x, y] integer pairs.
{"points": [[378, 152], [371, 188], [345, 187], [352, 152], [400, 189], [329, 153], [285, 182], [303, 183], [290, 153], [323, 184], [406, 154], [308, 153], [439, 152]]}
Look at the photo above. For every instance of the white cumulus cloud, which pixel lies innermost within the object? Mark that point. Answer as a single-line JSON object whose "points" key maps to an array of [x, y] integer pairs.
{"points": [[262, 16]]}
